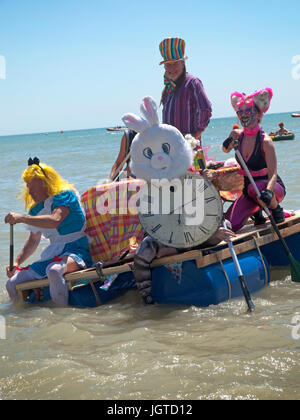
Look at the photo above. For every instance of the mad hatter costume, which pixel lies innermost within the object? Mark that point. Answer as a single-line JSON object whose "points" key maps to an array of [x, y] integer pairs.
{"points": [[185, 104]]}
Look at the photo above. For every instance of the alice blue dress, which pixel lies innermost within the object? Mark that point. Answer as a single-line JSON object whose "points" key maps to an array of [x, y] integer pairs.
{"points": [[68, 239]]}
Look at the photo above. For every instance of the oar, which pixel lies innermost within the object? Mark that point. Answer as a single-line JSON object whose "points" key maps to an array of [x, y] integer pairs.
{"points": [[120, 167], [294, 265], [251, 306], [11, 248]]}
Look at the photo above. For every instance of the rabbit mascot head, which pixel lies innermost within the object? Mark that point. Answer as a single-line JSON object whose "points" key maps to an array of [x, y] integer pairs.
{"points": [[158, 151]]}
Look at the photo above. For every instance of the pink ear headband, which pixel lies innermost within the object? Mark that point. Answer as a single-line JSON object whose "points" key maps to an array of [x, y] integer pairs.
{"points": [[261, 99]]}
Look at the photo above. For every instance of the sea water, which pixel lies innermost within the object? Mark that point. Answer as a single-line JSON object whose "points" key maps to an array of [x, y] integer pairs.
{"points": [[126, 350]]}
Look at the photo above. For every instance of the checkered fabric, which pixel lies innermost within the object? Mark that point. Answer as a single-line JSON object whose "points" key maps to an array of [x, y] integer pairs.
{"points": [[111, 218]]}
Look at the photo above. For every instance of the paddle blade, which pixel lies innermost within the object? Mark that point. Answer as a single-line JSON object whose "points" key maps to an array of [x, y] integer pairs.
{"points": [[245, 290], [295, 269]]}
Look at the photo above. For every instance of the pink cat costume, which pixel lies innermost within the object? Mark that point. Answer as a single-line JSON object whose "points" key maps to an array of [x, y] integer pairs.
{"points": [[247, 205]]}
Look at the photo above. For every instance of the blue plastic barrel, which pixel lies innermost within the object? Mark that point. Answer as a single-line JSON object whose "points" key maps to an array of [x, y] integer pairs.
{"points": [[209, 286]]}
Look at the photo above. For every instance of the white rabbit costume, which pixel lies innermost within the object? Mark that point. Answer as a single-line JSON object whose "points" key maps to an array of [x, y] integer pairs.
{"points": [[158, 151]]}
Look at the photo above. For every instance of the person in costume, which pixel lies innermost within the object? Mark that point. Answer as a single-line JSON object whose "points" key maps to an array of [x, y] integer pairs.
{"points": [[55, 213], [259, 154], [185, 103], [125, 146], [159, 151]]}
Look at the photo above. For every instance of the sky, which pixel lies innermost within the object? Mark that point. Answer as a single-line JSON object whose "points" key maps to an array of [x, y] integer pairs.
{"points": [[79, 64]]}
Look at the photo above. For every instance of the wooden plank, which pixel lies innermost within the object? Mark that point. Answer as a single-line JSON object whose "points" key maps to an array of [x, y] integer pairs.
{"points": [[250, 230], [33, 284], [225, 253], [189, 255], [247, 246]]}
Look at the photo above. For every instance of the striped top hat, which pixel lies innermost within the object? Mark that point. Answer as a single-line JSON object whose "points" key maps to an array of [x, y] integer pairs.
{"points": [[172, 49]]}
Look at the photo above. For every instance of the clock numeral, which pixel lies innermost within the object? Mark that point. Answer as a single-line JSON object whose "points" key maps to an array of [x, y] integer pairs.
{"points": [[188, 237], [171, 238], [156, 228], [202, 187], [189, 180], [214, 215], [210, 199], [203, 229]]}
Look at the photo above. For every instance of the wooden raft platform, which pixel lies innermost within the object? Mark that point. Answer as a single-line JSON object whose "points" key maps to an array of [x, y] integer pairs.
{"points": [[248, 238]]}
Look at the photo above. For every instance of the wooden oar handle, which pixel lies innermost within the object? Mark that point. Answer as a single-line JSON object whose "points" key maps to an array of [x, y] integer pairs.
{"points": [[11, 248], [245, 290], [121, 166]]}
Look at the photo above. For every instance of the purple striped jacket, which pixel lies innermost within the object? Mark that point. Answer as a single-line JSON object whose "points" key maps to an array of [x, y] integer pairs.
{"points": [[188, 109]]}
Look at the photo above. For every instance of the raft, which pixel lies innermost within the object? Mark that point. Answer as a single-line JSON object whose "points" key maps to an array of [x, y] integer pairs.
{"points": [[115, 129], [201, 277], [283, 137]]}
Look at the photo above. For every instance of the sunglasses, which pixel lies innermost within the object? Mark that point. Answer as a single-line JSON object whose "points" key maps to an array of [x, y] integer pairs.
{"points": [[247, 111]]}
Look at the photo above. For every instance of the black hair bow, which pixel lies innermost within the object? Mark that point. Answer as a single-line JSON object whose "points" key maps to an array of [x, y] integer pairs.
{"points": [[36, 161]]}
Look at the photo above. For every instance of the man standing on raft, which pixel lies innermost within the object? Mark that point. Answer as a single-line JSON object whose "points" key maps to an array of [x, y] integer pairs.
{"points": [[185, 104]]}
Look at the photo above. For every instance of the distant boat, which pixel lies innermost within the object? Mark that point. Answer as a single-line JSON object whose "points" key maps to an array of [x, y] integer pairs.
{"points": [[290, 136], [296, 114], [117, 128]]}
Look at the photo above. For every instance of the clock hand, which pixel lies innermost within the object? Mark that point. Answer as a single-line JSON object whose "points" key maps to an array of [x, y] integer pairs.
{"points": [[189, 202]]}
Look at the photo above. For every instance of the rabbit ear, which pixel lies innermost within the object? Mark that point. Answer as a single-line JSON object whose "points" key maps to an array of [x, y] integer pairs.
{"points": [[149, 110], [135, 123], [235, 98], [263, 99]]}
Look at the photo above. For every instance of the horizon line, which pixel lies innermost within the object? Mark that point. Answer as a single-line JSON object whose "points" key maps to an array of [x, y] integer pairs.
{"points": [[104, 128]]}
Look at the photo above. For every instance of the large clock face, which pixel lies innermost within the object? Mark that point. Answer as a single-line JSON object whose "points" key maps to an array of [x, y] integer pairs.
{"points": [[182, 213]]}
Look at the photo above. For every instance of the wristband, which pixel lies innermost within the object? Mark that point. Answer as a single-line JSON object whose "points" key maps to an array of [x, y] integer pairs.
{"points": [[227, 142]]}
